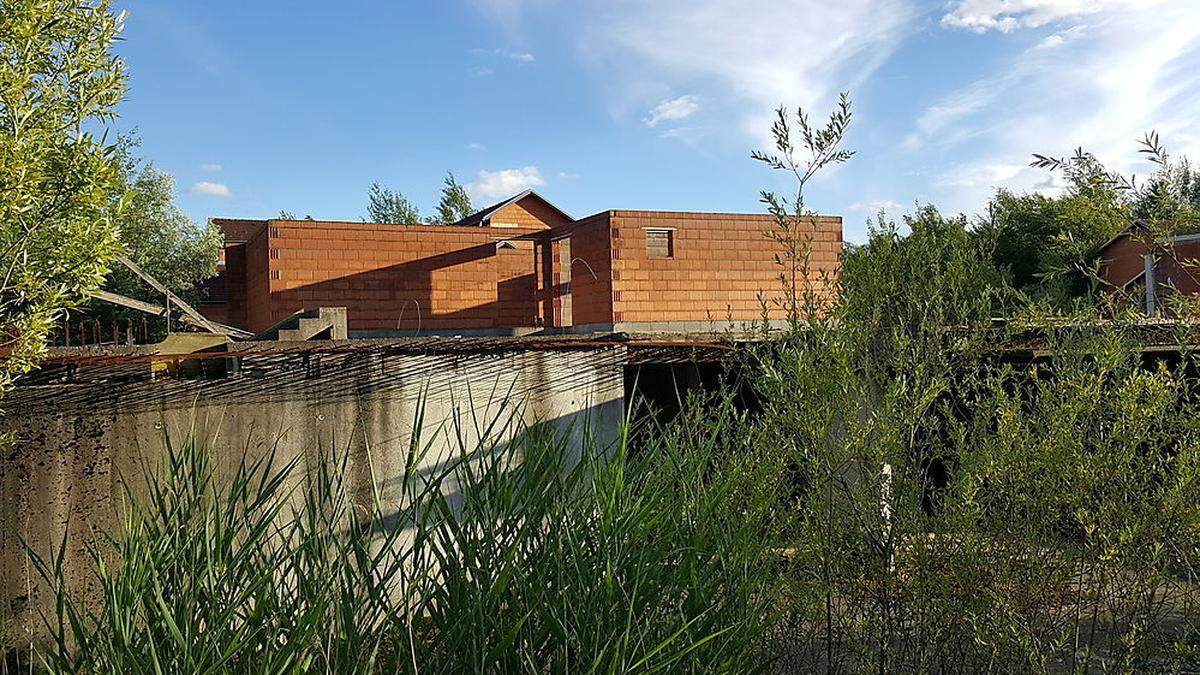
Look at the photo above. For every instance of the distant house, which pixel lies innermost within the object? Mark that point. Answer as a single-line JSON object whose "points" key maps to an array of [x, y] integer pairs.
{"points": [[519, 266], [1144, 264]]}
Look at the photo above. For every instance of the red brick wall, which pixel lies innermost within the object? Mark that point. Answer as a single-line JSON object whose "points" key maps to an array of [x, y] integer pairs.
{"points": [[396, 277], [404, 277], [591, 271], [721, 262], [258, 282], [232, 275], [531, 213], [1181, 269], [516, 285]]}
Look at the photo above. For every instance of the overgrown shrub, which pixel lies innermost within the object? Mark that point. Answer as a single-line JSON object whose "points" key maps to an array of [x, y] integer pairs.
{"points": [[958, 507]]}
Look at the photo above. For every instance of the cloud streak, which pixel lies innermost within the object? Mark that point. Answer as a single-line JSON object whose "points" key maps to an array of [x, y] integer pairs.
{"points": [[1109, 72], [672, 110], [520, 57], [1006, 16], [742, 57]]}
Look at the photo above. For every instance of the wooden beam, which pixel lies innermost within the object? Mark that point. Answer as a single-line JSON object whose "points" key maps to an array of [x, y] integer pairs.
{"points": [[156, 310], [131, 303], [199, 318]]}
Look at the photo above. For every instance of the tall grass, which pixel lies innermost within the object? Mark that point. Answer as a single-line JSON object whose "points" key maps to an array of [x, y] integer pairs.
{"points": [[512, 555]]}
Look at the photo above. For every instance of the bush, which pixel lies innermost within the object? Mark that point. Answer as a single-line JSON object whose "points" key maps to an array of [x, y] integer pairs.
{"points": [[957, 508]]}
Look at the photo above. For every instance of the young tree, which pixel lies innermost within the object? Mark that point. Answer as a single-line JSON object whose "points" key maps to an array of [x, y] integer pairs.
{"points": [[389, 206], [794, 222], [58, 216], [455, 204]]}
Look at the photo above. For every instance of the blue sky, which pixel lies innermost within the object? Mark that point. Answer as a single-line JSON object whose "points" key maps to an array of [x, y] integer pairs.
{"points": [[644, 104]]}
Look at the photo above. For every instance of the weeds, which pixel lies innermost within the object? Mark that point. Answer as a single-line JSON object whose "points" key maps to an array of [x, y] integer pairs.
{"points": [[524, 555]]}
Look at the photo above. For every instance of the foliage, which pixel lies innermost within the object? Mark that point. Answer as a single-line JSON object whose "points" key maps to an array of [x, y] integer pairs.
{"points": [[158, 237], [1170, 197], [793, 221], [521, 555], [389, 206], [901, 295], [58, 231], [454, 205], [956, 511], [958, 507], [1048, 244]]}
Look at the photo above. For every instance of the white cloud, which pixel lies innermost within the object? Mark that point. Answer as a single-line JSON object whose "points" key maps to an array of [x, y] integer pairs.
{"points": [[211, 168], [981, 16], [211, 189], [476, 147], [873, 206], [492, 185], [672, 109], [980, 175], [522, 57], [743, 58], [1111, 71]]}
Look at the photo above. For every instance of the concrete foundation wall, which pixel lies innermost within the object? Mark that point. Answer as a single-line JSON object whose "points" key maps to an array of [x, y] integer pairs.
{"points": [[74, 441]]}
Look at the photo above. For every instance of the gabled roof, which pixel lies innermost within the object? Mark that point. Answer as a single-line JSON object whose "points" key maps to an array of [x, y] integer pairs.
{"points": [[483, 218], [1138, 224]]}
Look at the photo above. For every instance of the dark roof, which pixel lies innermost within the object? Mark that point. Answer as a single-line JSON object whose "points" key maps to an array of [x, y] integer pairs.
{"points": [[481, 218]]}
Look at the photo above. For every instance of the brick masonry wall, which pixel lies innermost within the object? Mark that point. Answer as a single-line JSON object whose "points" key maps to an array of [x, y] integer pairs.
{"points": [[258, 282], [721, 263], [528, 213], [516, 285], [591, 270], [232, 275], [397, 277], [235, 285]]}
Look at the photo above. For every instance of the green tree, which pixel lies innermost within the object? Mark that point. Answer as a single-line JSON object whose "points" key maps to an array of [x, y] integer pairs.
{"points": [[158, 236], [385, 205], [58, 217], [455, 204], [1048, 244]]}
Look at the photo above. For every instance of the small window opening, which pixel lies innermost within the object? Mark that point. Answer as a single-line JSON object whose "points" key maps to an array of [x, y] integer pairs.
{"points": [[660, 243]]}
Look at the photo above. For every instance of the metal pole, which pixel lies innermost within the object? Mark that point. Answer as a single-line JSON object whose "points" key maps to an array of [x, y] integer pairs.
{"points": [[1151, 294]]}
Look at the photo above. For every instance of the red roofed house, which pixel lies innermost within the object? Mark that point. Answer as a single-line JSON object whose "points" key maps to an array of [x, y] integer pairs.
{"points": [[518, 266]]}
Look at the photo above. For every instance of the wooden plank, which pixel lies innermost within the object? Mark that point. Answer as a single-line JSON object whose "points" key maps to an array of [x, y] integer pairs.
{"points": [[187, 309], [131, 303], [156, 310]]}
